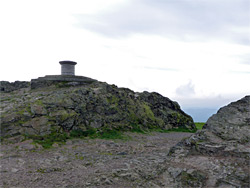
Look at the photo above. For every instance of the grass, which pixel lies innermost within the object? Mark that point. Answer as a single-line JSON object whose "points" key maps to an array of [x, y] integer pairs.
{"points": [[136, 128], [48, 140], [199, 125], [111, 135], [56, 137], [61, 137], [82, 134]]}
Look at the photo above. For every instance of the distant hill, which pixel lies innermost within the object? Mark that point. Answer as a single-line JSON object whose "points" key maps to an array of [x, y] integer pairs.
{"points": [[200, 114]]}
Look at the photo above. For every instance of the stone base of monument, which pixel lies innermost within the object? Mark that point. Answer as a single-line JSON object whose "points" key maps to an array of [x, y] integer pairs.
{"points": [[60, 80]]}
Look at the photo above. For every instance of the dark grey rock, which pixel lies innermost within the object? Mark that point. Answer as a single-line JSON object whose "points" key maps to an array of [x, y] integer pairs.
{"points": [[167, 110], [232, 122], [6, 86], [223, 144], [91, 105], [60, 81]]}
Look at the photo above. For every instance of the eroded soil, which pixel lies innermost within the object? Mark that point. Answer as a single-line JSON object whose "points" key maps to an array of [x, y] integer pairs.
{"points": [[88, 162]]}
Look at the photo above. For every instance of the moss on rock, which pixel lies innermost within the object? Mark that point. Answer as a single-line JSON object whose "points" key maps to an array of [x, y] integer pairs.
{"points": [[96, 105]]}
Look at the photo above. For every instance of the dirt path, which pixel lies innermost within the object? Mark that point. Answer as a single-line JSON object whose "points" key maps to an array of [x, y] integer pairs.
{"points": [[87, 163]]}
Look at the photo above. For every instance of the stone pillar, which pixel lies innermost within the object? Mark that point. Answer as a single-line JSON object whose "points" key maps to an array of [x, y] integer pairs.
{"points": [[67, 67]]}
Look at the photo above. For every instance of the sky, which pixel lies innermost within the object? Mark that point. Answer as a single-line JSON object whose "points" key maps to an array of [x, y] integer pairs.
{"points": [[196, 52]]}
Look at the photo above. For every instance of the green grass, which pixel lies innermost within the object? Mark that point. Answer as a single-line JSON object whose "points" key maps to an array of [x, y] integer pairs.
{"points": [[199, 125], [110, 134], [82, 134], [48, 140], [136, 128]]}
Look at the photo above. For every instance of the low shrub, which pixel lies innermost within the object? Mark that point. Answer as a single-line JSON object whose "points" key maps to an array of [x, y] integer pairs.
{"points": [[199, 125]]}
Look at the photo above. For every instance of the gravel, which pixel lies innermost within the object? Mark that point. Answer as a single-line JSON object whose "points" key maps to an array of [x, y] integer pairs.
{"points": [[88, 162]]}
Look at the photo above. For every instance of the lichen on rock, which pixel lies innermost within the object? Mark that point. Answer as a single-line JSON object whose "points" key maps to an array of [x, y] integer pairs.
{"points": [[91, 105]]}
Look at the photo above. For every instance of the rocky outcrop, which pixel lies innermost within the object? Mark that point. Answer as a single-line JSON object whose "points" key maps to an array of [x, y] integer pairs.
{"points": [[166, 110], [221, 151], [232, 123], [60, 81], [94, 105], [217, 156], [12, 86]]}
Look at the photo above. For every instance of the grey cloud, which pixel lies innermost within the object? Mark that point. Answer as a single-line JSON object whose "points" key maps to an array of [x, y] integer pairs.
{"points": [[186, 90], [182, 19], [160, 68], [206, 102], [240, 72], [245, 59]]}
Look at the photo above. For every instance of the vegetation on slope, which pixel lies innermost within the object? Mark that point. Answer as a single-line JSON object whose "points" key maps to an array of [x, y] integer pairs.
{"points": [[96, 110]]}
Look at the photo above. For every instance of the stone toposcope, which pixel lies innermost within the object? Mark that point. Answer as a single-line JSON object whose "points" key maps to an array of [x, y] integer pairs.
{"points": [[67, 77], [67, 67]]}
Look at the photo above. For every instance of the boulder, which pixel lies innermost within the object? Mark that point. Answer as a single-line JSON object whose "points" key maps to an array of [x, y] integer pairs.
{"points": [[221, 150], [232, 123], [6, 86]]}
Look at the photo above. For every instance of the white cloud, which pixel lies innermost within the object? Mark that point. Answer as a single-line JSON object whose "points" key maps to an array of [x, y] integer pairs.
{"points": [[186, 90], [183, 20], [153, 45]]}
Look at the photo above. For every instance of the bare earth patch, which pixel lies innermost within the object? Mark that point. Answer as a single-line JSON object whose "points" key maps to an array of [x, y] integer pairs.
{"points": [[88, 162]]}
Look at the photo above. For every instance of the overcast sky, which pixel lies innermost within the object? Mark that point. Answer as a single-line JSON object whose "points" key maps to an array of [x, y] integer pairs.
{"points": [[196, 52]]}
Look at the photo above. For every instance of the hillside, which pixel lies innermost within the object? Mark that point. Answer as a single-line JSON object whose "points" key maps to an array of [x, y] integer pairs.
{"points": [[70, 116], [62, 107]]}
